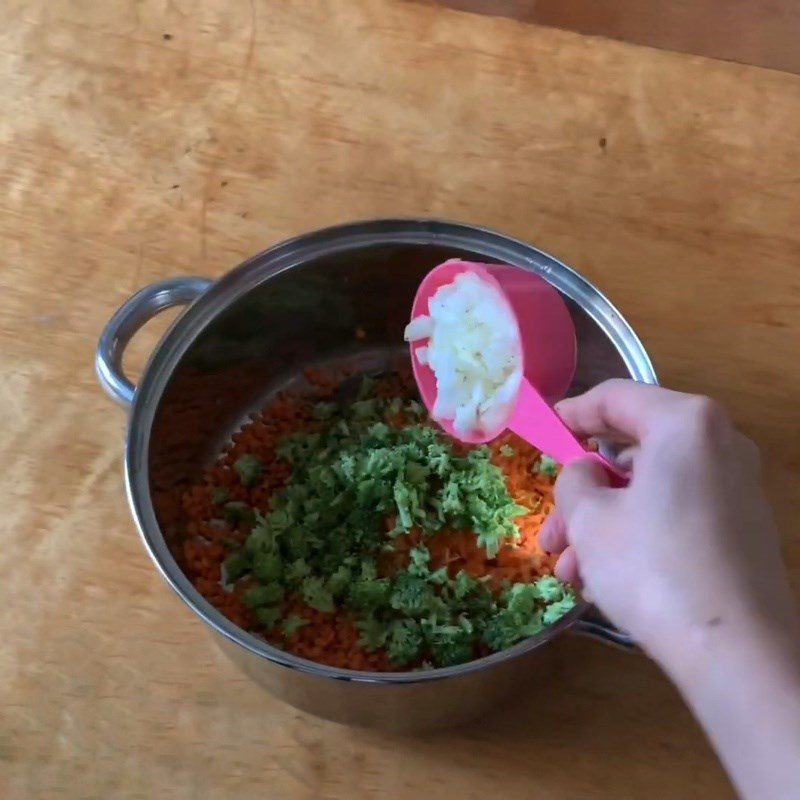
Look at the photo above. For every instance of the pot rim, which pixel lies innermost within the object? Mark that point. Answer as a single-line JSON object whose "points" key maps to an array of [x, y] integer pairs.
{"points": [[294, 252]]}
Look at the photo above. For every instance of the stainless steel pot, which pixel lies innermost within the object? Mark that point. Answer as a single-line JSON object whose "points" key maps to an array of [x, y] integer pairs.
{"points": [[251, 333]]}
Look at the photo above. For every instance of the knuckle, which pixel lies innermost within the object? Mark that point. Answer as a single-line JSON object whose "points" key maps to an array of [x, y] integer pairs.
{"points": [[705, 415], [613, 383]]}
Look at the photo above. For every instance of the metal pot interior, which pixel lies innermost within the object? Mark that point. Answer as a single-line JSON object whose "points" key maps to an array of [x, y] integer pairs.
{"points": [[313, 311]]}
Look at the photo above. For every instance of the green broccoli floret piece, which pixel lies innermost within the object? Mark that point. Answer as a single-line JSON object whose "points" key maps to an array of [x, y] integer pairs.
{"points": [[374, 633], [452, 644], [405, 642], [411, 594], [317, 595], [463, 584], [291, 624], [549, 589], [236, 565], [558, 609], [419, 557], [507, 451], [367, 387], [547, 466], [220, 495], [439, 576], [249, 470], [369, 595], [268, 567], [414, 410], [323, 411], [236, 511], [520, 599], [267, 615], [367, 409], [263, 536], [339, 581], [297, 570], [470, 595], [263, 595], [506, 628]]}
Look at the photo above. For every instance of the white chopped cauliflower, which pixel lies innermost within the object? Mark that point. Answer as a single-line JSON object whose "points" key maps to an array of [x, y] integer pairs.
{"points": [[473, 350]]}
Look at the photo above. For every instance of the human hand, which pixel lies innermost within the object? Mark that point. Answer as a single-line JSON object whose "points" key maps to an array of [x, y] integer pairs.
{"points": [[687, 559], [689, 548]]}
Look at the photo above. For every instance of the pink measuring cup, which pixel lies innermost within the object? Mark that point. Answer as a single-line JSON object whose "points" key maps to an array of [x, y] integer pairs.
{"points": [[549, 353]]}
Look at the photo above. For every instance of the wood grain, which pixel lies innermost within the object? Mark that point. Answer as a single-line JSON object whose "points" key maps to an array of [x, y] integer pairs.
{"points": [[759, 32], [165, 137]]}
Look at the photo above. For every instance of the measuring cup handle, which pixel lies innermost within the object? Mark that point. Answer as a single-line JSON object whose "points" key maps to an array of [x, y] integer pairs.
{"points": [[618, 478], [535, 421]]}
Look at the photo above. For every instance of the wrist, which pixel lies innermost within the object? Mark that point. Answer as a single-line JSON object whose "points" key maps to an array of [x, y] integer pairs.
{"points": [[743, 684], [737, 653]]}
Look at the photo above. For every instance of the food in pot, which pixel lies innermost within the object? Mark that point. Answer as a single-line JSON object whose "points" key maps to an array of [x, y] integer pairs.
{"points": [[359, 535], [473, 348]]}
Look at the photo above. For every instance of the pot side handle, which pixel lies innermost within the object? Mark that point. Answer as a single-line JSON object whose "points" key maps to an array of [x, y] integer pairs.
{"points": [[128, 319], [596, 626]]}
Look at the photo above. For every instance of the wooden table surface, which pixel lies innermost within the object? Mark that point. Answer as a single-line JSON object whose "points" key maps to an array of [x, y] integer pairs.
{"points": [[164, 137]]}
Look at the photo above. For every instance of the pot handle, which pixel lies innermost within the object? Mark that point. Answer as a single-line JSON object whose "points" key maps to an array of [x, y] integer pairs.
{"points": [[596, 626], [128, 319]]}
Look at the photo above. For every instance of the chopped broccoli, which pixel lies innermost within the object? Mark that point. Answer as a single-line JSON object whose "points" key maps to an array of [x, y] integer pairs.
{"points": [[374, 633], [268, 567], [249, 470], [411, 594], [369, 595], [506, 628], [405, 642], [547, 467], [507, 451], [267, 615], [419, 557], [520, 598], [549, 589], [367, 387], [317, 594], [236, 511], [367, 409], [220, 495], [324, 534], [558, 609], [263, 536], [323, 411], [439, 576], [297, 570], [451, 644], [236, 565], [263, 595], [414, 410], [291, 624], [338, 582]]}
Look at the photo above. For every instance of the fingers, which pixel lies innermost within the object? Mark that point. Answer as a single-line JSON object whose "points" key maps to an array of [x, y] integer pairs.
{"points": [[553, 534], [578, 482], [617, 409], [582, 486], [567, 568], [553, 538]]}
